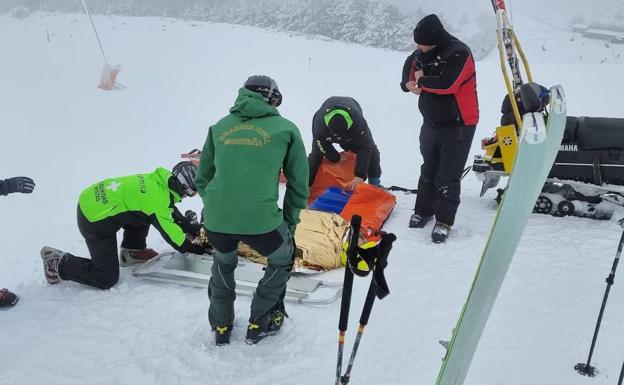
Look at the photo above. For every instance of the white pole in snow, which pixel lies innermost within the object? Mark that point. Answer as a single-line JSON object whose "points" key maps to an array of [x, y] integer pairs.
{"points": [[84, 4]]}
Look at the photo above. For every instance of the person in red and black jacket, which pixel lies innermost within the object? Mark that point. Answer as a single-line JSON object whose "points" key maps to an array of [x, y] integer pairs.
{"points": [[442, 72]]}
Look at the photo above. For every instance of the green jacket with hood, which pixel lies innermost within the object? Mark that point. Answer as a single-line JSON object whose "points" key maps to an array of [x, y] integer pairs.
{"points": [[140, 199], [239, 170]]}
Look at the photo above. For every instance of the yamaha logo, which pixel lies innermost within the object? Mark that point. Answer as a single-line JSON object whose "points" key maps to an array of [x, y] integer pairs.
{"points": [[568, 147]]}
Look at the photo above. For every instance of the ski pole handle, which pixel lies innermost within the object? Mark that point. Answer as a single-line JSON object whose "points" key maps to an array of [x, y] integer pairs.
{"points": [[368, 304], [345, 303]]}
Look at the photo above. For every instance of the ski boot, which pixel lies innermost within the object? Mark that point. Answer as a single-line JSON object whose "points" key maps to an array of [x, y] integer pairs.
{"points": [[7, 299], [222, 335], [129, 257], [52, 261], [418, 221], [440, 232], [267, 325]]}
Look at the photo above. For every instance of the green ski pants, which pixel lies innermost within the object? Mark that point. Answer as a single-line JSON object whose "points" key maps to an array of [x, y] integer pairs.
{"points": [[276, 245]]}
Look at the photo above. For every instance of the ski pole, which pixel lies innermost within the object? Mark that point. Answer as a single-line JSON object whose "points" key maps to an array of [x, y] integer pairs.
{"points": [[621, 375], [366, 310], [585, 368], [381, 262], [84, 4], [347, 287]]}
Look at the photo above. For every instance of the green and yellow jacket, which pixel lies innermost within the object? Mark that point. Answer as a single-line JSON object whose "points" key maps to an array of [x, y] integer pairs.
{"points": [[240, 165], [141, 199]]}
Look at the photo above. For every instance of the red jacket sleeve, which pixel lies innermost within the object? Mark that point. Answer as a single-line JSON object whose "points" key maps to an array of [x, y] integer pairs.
{"points": [[458, 69]]}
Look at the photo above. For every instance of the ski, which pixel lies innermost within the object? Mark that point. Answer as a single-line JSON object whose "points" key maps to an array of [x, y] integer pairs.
{"points": [[507, 36], [500, 149], [536, 153]]}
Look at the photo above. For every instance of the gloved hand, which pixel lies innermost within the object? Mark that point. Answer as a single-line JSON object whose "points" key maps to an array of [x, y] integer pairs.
{"points": [[191, 216], [194, 229], [353, 184], [193, 226], [20, 184]]}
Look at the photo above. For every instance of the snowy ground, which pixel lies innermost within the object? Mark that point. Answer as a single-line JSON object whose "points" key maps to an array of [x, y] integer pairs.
{"points": [[59, 129]]}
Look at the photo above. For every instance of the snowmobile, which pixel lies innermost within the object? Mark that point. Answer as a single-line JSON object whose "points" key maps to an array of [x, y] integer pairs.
{"points": [[587, 178]]}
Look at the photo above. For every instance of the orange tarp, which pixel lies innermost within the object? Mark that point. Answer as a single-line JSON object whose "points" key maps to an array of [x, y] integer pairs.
{"points": [[333, 175], [373, 204]]}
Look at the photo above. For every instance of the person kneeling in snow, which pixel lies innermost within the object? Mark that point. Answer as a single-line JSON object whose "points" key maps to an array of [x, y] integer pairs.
{"points": [[19, 184], [238, 181], [131, 203], [340, 120]]}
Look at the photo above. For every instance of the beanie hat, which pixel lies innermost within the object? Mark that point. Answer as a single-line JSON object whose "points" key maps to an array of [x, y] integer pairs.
{"points": [[338, 121], [429, 31]]}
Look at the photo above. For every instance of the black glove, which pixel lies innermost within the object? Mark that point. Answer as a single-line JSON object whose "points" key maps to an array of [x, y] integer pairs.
{"points": [[191, 216], [192, 225], [20, 184]]}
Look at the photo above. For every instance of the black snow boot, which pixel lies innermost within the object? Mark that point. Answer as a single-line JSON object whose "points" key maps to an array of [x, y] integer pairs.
{"points": [[440, 232], [7, 299], [222, 335], [266, 325], [418, 221]]}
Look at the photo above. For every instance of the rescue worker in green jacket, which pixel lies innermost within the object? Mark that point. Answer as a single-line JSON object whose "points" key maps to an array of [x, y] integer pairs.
{"points": [[238, 181], [132, 203]]}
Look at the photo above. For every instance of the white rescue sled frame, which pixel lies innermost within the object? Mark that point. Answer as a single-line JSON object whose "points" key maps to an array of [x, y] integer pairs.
{"points": [[194, 270]]}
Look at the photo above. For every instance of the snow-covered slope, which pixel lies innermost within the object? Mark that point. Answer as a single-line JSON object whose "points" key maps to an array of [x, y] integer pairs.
{"points": [[56, 127]]}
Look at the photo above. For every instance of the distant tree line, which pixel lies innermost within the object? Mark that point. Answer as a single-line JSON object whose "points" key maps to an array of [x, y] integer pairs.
{"points": [[368, 22]]}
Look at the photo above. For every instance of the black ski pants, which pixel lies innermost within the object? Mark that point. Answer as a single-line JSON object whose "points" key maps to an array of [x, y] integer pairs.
{"points": [[444, 151], [102, 270]]}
